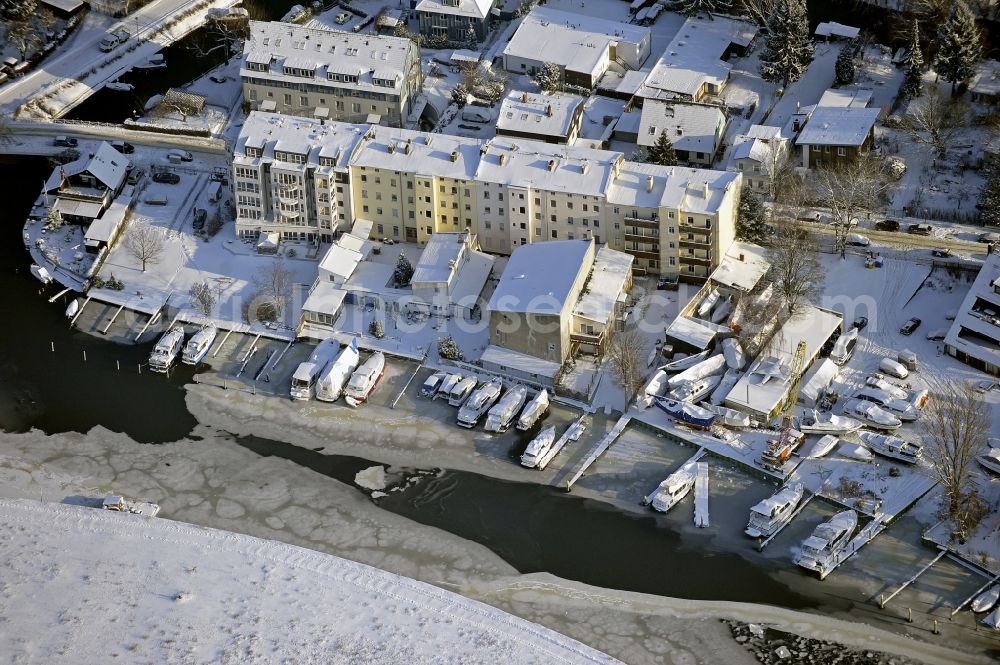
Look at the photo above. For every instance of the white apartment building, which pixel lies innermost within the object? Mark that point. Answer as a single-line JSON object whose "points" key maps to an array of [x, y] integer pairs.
{"points": [[508, 192], [315, 72]]}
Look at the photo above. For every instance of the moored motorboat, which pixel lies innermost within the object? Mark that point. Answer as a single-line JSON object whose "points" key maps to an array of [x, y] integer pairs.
{"points": [[306, 374], [462, 390], [364, 379], [879, 382], [770, 514], [119, 86], [891, 446], [540, 445], [652, 390], [713, 365], [814, 422], [726, 385], [987, 599], [730, 417], [504, 411], [821, 550], [872, 414], [533, 410], [167, 348], [199, 344], [430, 386], [732, 350], [855, 451], [695, 391], [992, 620], [674, 488], [332, 379], [900, 408], [479, 402], [41, 273], [819, 448], [72, 308], [682, 364]]}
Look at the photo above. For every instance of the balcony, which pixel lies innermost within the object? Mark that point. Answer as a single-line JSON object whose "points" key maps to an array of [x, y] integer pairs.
{"points": [[640, 254], [585, 338], [696, 260], [694, 244], [683, 228], [648, 223]]}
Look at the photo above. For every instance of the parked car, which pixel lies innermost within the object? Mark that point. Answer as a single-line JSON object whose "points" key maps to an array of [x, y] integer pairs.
{"points": [[218, 78], [860, 323], [200, 215], [937, 335], [941, 253], [135, 175], [182, 155], [65, 142], [910, 326], [986, 385], [166, 177], [342, 18], [887, 225], [858, 240], [920, 229], [123, 147]]}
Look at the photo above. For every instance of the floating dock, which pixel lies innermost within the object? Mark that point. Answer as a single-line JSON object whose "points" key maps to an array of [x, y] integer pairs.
{"points": [[572, 433], [600, 449]]}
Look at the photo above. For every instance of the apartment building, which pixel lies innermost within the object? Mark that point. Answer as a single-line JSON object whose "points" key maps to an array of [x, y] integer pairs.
{"points": [[290, 176], [455, 19], [974, 337], [508, 192], [322, 73]]}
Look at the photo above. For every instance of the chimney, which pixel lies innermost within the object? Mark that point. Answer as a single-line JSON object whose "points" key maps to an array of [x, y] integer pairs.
{"points": [[407, 147], [649, 184], [524, 97], [552, 165], [548, 110], [503, 158], [392, 148], [584, 167], [742, 258], [706, 190], [454, 156]]}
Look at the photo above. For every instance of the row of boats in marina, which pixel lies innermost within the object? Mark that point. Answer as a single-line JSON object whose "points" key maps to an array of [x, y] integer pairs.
{"points": [[171, 346], [476, 399], [332, 372]]}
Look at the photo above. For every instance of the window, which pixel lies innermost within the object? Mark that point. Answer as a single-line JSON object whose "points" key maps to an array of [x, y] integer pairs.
{"points": [[395, 230], [486, 195], [555, 234], [552, 218], [538, 231], [381, 229], [842, 152]]}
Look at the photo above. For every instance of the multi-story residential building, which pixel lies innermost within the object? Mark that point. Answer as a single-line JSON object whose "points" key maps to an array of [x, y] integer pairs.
{"points": [[974, 337], [550, 117], [290, 176], [507, 192], [86, 187], [324, 73], [695, 130], [457, 20], [759, 155], [582, 46]]}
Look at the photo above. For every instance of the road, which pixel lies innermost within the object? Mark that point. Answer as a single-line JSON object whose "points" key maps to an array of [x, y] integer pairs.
{"points": [[71, 64], [35, 138], [904, 241]]}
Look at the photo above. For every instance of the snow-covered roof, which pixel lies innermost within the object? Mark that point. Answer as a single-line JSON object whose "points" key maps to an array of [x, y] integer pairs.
{"points": [[766, 382], [838, 126], [440, 258], [606, 285], [321, 143], [544, 114], [77, 208], [834, 29], [693, 332], [475, 8], [817, 380], [339, 261], [691, 127], [974, 331], [845, 98], [499, 356], [68, 6], [743, 265], [569, 39], [468, 285], [987, 79], [700, 191], [324, 298], [355, 243], [694, 57], [362, 228], [103, 229], [420, 153], [538, 277], [558, 168], [757, 144], [318, 53]]}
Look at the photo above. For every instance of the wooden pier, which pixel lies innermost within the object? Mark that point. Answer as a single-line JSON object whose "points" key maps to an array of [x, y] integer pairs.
{"points": [[561, 442], [701, 496], [599, 450], [883, 602]]}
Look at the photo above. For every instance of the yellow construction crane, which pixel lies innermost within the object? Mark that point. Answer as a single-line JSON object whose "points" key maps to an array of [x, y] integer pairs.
{"points": [[779, 450]]}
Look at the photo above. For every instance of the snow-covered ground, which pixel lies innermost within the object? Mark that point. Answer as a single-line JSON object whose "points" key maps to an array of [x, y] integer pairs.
{"points": [[140, 590]]}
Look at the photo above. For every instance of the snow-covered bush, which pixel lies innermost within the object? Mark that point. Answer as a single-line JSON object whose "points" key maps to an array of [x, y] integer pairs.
{"points": [[376, 330], [895, 167], [448, 349]]}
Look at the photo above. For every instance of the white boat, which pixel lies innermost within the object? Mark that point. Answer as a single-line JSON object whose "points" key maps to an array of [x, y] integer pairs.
{"points": [[576, 430], [855, 451], [155, 62], [732, 350], [540, 445], [652, 390], [40, 273], [819, 448], [676, 486], [992, 620], [815, 422], [707, 304], [820, 550], [695, 391], [120, 87], [72, 308], [534, 410], [726, 385], [167, 348], [331, 381], [687, 412], [479, 403], [431, 384], [872, 414], [901, 408], [462, 390], [682, 364], [891, 446], [770, 514], [730, 417], [199, 344], [447, 384], [722, 311], [987, 599], [504, 411], [991, 460], [708, 367], [844, 347], [306, 374], [364, 379], [876, 381]]}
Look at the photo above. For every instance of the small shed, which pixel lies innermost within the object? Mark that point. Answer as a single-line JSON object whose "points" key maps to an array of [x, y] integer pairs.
{"points": [[268, 243], [831, 30], [182, 100]]}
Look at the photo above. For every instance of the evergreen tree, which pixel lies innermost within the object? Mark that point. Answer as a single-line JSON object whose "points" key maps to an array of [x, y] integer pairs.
{"points": [[404, 270], [17, 10], [989, 200], [549, 79], [692, 7], [959, 46], [448, 349], [751, 219], [912, 81], [471, 38], [788, 49], [460, 95], [846, 67], [375, 329], [662, 152]]}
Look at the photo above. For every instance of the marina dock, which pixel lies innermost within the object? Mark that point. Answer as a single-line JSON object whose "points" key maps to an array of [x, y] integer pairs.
{"points": [[599, 450], [561, 442], [701, 496]]}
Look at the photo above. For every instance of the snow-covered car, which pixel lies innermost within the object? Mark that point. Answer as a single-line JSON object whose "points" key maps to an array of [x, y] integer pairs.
{"points": [[123, 147], [200, 215], [342, 18], [920, 229], [910, 326], [65, 142], [887, 225], [135, 175], [937, 334], [858, 240], [218, 78], [166, 177], [182, 155]]}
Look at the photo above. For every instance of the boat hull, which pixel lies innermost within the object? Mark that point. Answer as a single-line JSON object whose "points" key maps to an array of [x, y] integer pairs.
{"points": [[354, 400]]}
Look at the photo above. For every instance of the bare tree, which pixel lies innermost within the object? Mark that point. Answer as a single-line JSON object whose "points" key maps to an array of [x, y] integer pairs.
{"points": [[274, 286], [795, 275], [145, 243], [626, 357], [791, 191], [203, 297], [220, 33], [24, 36], [955, 427], [849, 189], [936, 122], [756, 10]]}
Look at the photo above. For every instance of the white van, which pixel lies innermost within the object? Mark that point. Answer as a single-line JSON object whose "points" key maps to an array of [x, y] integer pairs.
{"points": [[893, 368], [858, 240], [215, 192], [156, 200]]}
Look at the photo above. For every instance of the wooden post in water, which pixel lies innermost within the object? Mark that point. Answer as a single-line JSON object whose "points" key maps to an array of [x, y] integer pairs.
{"points": [[52, 345], [936, 631], [909, 615], [85, 355]]}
